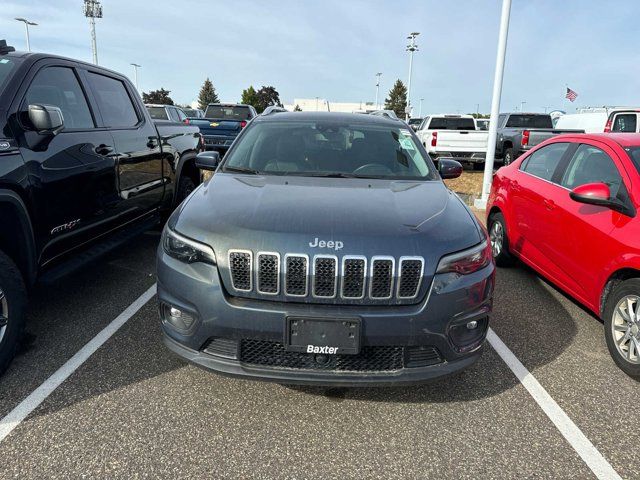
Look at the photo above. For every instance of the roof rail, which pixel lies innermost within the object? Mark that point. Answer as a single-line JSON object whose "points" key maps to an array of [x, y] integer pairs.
{"points": [[273, 109], [4, 48]]}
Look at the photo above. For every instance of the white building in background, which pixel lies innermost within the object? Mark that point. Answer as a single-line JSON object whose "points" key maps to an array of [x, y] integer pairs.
{"points": [[324, 105]]}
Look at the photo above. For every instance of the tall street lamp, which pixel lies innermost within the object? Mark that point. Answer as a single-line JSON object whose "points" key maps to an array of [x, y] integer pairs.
{"points": [[26, 27], [420, 113], [412, 47], [135, 74], [378, 75], [92, 10]]}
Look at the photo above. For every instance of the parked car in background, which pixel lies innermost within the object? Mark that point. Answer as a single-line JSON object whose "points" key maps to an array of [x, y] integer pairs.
{"points": [[166, 113], [569, 209], [193, 112], [326, 250], [385, 113], [482, 124], [454, 136], [623, 121], [415, 122], [519, 132], [82, 169], [222, 124]]}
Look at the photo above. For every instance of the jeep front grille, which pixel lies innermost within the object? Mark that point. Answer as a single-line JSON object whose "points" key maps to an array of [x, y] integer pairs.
{"points": [[350, 278]]}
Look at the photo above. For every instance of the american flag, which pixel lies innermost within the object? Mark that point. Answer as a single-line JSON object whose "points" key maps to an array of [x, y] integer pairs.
{"points": [[571, 95]]}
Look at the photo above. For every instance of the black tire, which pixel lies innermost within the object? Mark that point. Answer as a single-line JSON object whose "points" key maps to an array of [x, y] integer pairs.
{"points": [[186, 185], [15, 298], [629, 287], [504, 257], [507, 158]]}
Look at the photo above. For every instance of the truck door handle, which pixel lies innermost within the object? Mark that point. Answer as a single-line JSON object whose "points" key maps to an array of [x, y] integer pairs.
{"points": [[103, 149], [549, 204]]}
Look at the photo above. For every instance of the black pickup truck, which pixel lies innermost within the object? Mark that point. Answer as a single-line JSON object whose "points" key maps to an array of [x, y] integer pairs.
{"points": [[82, 169], [519, 132]]}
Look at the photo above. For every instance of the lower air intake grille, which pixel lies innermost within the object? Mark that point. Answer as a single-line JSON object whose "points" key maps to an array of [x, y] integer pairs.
{"points": [[422, 356], [325, 276], [240, 267], [273, 354], [222, 347], [381, 278], [410, 277]]}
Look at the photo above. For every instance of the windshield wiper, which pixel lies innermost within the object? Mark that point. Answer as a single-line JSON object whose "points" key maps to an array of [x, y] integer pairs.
{"points": [[332, 175], [241, 170]]}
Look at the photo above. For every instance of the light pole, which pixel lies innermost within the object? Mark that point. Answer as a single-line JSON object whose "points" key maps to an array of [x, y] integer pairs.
{"points": [[477, 110], [412, 47], [522, 106], [26, 27], [317, 103], [420, 113], [135, 74], [378, 75], [92, 10], [481, 203], [545, 109]]}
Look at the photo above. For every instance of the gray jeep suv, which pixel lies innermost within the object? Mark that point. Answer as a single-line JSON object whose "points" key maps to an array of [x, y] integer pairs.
{"points": [[326, 250]]}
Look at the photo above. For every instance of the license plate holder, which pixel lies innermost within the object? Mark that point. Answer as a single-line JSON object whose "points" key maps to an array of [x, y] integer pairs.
{"points": [[331, 335]]}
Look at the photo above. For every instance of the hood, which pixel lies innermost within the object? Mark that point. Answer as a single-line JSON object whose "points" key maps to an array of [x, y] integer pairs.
{"points": [[294, 214]]}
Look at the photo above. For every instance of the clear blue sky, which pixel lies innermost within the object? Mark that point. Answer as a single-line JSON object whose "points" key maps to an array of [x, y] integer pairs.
{"points": [[333, 48]]}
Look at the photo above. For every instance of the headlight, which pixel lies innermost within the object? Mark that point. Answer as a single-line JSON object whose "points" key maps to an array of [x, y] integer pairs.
{"points": [[185, 249], [467, 261]]}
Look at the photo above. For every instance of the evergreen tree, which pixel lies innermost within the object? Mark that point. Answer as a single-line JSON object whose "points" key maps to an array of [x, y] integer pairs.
{"points": [[158, 96], [250, 97], [297, 108], [397, 100], [207, 95]]}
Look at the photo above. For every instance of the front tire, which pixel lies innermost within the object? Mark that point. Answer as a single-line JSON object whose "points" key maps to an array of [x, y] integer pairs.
{"points": [[499, 241], [186, 185], [622, 326], [13, 302], [508, 157]]}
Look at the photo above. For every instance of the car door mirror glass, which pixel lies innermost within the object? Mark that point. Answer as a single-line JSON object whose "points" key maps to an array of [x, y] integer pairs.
{"points": [[208, 160], [46, 119]]}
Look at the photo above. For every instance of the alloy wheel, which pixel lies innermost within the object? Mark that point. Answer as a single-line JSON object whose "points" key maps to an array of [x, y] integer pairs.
{"points": [[626, 328], [496, 236], [4, 314]]}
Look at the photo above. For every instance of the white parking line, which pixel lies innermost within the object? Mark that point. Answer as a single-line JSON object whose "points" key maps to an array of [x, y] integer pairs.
{"points": [[569, 430], [29, 404]]}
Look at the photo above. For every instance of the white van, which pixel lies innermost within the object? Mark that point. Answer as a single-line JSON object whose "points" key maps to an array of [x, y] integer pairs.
{"points": [[627, 121], [591, 122]]}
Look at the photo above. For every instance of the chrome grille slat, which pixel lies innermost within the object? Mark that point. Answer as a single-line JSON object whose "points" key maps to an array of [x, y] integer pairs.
{"points": [[325, 276], [354, 277], [268, 273], [296, 275], [381, 278], [410, 274]]}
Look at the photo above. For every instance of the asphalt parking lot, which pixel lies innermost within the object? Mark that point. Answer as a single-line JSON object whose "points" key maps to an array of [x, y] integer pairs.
{"points": [[133, 410]]}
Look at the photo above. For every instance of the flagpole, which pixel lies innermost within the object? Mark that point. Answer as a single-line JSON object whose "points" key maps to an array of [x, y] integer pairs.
{"points": [[566, 105]]}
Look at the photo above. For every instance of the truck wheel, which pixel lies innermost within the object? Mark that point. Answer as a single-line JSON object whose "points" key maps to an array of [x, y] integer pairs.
{"points": [[186, 185], [507, 157], [622, 326], [499, 240], [13, 301]]}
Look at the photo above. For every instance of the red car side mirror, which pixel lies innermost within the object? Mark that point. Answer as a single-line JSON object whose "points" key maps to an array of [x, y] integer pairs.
{"points": [[593, 194]]}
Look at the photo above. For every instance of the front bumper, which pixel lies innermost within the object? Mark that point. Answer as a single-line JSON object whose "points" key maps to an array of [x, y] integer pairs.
{"points": [[453, 301], [217, 142]]}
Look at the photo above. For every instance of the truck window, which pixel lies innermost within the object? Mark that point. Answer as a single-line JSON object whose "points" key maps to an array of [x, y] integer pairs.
{"points": [[529, 121], [625, 122], [158, 113], [115, 104], [231, 112], [452, 123], [59, 87]]}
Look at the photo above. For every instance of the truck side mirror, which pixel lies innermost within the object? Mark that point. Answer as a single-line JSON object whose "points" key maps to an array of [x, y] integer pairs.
{"points": [[208, 160], [46, 119]]}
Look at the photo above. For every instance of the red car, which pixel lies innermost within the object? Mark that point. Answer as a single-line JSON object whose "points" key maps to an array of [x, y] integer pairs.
{"points": [[569, 209]]}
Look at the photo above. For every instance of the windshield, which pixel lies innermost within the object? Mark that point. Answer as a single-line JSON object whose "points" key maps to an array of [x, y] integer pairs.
{"points": [[158, 113], [530, 121], [231, 112], [324, 148], [7, 67], [449, 123]]}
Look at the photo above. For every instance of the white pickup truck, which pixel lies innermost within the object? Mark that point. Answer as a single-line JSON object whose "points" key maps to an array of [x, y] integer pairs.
{"points": [[454, 136]]}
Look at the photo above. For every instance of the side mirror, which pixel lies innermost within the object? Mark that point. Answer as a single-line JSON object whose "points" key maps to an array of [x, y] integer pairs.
{"points": [[593, 194], [46, 119], [208, 160], [449, 168]]}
